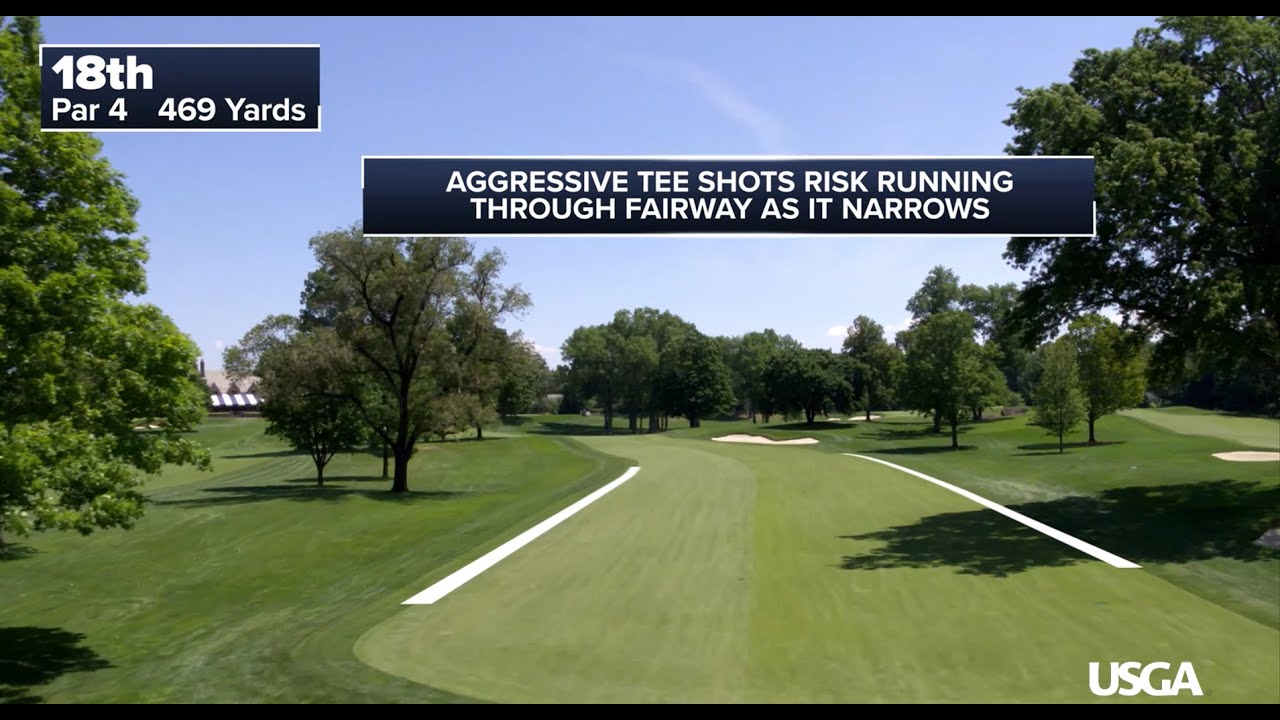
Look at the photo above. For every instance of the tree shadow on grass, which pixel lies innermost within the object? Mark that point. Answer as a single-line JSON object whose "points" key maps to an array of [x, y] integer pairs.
{"points": [[921, 450], [343, 479], [808, 427], [1161, 524], [16, 552], [915, 433], [33, 656], [565, 428], [303, 492], [1069, 446], [267, 454]]}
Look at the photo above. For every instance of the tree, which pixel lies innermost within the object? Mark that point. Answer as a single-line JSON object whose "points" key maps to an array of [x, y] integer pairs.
{"points": [[392, 304], [989, 388], [525, 379], [1059, 406], [1111, 370], [943, 369], [1182, 125], [811, 381], [81, 363], [875, 363], [306, 405], [240, 361], [940, 292], [747, 358], [594, 368], [994, 310], [696, 382]]}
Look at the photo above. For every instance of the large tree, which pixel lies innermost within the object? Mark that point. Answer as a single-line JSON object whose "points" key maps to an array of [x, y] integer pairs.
{"points": [[1111, 368], [1059, 406], [944, 369], [525, 379], [696, 383], [875, 363], [394, 305], [306, 406], [747, 358], [994, 311], [82, 364], [1184, 126], [595, 369], [812, 381]]}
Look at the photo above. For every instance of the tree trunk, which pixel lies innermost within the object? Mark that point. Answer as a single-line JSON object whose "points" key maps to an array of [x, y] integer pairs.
{"points": [[937, 421], [479, 431], [808, 416], [386, 454], [400, 483], [694, 420], [320, 473], [1091, 440], [665, 424], [1060, 442], [955, 433], [653, 422], [608, 421], [631, 422], [868, 413]]}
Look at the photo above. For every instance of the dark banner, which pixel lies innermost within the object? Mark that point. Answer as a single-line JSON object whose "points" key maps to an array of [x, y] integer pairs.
{"points": [[476, 196], [116, 88]]}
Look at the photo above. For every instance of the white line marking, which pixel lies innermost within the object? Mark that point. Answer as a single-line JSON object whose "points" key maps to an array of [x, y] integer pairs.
{"points": [[1093, 550], [493, 557]]}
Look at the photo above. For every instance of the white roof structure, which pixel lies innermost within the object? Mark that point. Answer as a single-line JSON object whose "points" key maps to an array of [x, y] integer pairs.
{"points": [[228, 401]]}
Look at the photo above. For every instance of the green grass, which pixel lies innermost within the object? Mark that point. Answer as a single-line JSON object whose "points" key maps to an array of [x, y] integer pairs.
{"points": [[720, 573], [1254, 432], [251, 585], [726, 573]]}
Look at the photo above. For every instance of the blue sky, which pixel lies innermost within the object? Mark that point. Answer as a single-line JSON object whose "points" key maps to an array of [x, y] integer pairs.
{"points": [[228, 216]]}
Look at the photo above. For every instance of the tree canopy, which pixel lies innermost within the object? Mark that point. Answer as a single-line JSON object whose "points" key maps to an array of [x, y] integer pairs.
{"points": [[875, 364], [408, 315], [1111, 370], [1185, 130], [944, 370], [83, 363], [1059, 406], [303, 384]]}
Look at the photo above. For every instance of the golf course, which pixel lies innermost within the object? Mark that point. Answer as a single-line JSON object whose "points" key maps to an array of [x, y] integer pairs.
{"points": [[720, 572], [632, 361]]}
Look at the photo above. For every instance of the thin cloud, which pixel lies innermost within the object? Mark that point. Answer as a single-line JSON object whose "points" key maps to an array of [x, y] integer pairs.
{"points": [[716, 92], [838, 331], [218, 345], [549, 353]]}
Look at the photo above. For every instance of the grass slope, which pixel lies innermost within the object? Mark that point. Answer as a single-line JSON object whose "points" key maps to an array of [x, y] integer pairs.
{"points": [[251, 585], [1254, 432]]}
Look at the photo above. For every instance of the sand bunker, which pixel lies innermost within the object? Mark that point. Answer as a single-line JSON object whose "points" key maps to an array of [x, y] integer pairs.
{"points": [[1270, 538], [1249, 456], [757, 440], [852, 419]]}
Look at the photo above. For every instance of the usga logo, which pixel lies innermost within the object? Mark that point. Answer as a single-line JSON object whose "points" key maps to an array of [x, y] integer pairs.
{"points": [[1139, 679]]}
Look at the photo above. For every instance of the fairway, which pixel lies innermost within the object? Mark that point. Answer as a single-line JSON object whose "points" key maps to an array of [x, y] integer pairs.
{"points": [[727, 573], [1248, 431]]}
